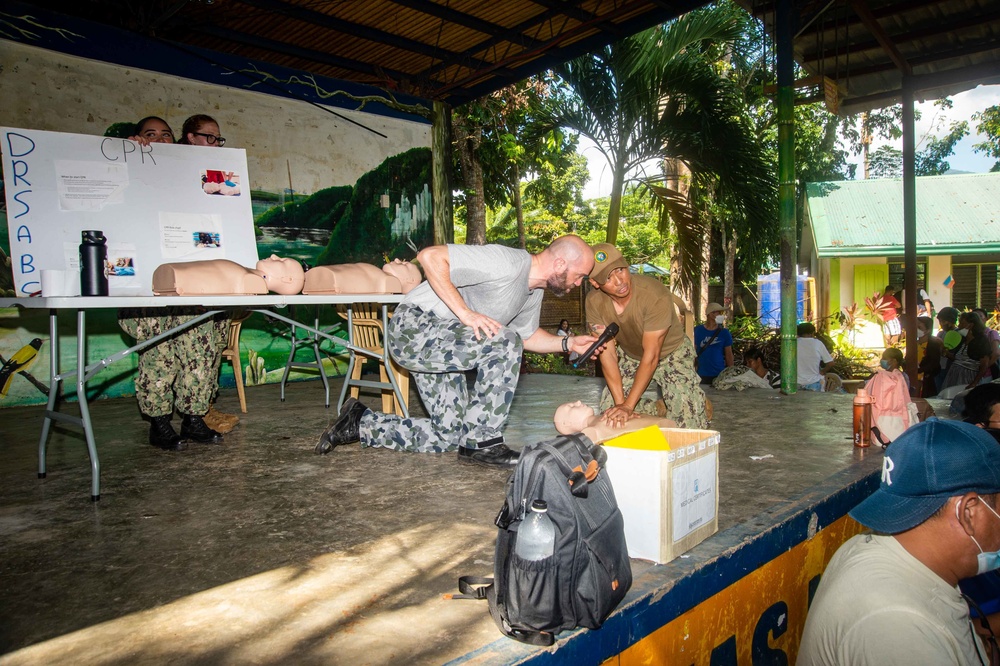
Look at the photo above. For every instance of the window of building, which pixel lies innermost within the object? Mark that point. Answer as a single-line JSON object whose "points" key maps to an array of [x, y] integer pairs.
{"points": [[975, 286], [897, 272]]}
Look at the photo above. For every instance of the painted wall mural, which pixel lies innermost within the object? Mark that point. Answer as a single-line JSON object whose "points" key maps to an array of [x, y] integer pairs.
{"points": [[349, 182]]}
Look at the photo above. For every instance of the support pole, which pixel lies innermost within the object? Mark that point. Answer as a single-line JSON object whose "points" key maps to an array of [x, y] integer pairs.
{"points": [[444, 225], [909, 233], [786, 194]]}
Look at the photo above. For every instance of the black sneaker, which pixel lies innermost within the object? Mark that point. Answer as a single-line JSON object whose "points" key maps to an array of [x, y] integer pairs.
{"points": [[498, 455], [345, 430], [193, 427], [163, 436]]}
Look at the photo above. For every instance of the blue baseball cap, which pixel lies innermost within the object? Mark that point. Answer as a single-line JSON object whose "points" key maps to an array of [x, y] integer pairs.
{"points": [[926, 465]]}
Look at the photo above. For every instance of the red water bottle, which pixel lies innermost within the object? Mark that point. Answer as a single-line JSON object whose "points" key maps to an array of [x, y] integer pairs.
{"points": [[863, 419]]}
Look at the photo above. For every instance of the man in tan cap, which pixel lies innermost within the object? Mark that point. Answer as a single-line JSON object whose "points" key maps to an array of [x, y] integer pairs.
{"points": [[650, 345], [713, 344]]}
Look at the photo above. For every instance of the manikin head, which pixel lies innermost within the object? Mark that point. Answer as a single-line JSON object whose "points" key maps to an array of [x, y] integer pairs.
{"points": [[282, 276], [408, 274], [572, 417]]}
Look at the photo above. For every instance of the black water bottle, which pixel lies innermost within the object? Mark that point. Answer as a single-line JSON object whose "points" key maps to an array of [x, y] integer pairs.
{"points": [[93, 256]]}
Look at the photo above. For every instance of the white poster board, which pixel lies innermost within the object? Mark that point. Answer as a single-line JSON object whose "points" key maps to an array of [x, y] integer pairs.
{"points": [[160, 203]]}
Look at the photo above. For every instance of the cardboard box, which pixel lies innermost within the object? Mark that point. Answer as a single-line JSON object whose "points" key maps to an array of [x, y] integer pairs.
{"points": [[666, 481]]}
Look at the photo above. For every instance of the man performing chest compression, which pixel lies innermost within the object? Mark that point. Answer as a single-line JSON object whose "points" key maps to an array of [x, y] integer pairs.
{"points": [[650, 346]]}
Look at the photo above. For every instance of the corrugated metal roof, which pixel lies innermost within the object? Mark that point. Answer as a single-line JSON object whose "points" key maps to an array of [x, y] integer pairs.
{"points": [[957, 214], [450, 50]]}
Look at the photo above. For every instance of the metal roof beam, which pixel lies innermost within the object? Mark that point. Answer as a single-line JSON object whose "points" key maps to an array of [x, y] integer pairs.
{"points": [[937, 30], [575, 11], [354, 29], [874, 27], [469, 21], [298, 52], [661, 12]]}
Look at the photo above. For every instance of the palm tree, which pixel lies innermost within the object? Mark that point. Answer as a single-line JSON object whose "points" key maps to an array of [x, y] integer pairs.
{"points": [[656, 95]]}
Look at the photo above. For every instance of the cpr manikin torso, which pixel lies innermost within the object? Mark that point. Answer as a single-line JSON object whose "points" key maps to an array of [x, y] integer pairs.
{"points": [[399, 277], [282, 276], [573, 417], [219, 277]]}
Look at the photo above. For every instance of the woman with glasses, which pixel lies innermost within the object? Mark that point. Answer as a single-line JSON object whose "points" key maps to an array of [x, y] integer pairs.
{"points": [[201, 130]]}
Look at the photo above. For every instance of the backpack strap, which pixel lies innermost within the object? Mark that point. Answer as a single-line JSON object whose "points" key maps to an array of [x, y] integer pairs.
{"points": [[472, 587]]}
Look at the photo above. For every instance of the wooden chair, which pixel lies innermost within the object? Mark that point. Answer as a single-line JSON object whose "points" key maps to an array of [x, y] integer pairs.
{"points": [[368, 334], [232, 354]]}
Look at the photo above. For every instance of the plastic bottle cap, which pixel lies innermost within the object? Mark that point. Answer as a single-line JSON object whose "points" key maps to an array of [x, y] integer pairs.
{"points": [[541, 506]]}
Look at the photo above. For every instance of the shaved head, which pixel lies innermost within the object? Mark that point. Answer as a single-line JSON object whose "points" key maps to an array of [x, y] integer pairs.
{"points": [[572, 249], [567, 262]]}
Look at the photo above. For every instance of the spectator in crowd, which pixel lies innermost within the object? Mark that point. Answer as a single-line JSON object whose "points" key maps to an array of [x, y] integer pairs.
{"points": [[891, 327], [994, 337], [814, 359], [564, 330], [892, 597], [947, 318], [930, 350], [982, 408], [713, 344], [970, 361]]}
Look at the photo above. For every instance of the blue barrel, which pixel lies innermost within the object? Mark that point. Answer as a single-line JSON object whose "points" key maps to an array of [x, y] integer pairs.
{"points": [[769, 299]]}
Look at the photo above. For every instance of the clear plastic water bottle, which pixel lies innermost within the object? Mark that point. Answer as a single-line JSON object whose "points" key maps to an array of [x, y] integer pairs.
{"points": [[536, 538]]}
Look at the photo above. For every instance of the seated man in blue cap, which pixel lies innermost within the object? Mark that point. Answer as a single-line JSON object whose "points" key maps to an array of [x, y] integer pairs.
{"points": [[892, 597]]}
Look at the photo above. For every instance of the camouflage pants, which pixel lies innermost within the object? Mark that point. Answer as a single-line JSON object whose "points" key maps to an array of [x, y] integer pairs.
{"points": [[678, 382], [438, 353], [181, 371]]}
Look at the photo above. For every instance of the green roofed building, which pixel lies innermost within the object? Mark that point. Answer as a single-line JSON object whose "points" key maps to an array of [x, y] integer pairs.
{"points": [[852, 239]]}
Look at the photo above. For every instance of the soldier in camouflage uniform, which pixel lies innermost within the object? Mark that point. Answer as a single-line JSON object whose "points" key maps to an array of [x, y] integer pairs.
{"points": [[650, 347], [478, 310], [179, 372]]}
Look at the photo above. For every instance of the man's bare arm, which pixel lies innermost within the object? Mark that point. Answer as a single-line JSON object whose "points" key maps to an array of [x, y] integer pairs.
{"points": [[437, 270]]}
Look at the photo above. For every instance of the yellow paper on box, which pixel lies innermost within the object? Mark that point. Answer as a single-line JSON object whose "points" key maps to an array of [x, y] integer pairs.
{"points": [[647, 439]]}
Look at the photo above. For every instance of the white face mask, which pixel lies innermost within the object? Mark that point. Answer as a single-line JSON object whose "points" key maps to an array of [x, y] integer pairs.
{"points": [[963, 332], [985, 561], [720, 320], [921, 333]]}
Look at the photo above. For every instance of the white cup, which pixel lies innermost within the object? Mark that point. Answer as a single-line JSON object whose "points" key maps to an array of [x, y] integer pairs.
{"points": [[60, 283]]}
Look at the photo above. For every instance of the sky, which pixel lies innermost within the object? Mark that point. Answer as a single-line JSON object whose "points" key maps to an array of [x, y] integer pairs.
{"points": [[964, 159]]}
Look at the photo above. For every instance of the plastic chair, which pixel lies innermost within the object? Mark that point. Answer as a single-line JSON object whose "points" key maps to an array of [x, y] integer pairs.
{"points": [[833, 383], [232, 354], [366, 322]]}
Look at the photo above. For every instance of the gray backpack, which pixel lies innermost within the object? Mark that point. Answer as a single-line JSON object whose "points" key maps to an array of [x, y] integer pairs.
{"points": [[589, 573]]}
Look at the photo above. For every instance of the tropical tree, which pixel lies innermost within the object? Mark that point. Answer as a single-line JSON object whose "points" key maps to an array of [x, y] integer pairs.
{"points": [[989, 124], [500, 143], [887, 162], [657, 95]]}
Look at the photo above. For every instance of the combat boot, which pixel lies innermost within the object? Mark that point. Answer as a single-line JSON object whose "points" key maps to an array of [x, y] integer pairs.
{"points": [[193, 427], [163, 436]]}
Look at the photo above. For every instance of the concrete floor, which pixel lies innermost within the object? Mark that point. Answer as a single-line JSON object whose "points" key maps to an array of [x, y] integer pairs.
{"points": [[260, 551]]}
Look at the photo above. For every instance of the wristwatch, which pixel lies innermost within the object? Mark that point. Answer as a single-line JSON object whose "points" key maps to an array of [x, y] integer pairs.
{"points": [[565, 343]]}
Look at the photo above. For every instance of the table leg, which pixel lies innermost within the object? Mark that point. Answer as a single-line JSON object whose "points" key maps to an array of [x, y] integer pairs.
{"points": [[54, 383], [81, 395]]}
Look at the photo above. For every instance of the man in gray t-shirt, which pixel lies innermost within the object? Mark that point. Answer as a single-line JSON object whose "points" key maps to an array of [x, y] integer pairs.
{"points": [[477, 310]]}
